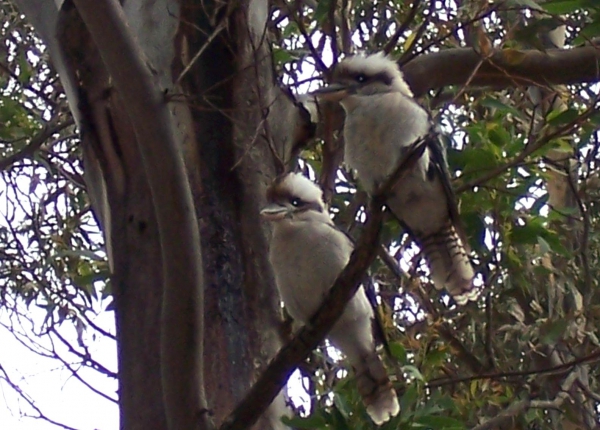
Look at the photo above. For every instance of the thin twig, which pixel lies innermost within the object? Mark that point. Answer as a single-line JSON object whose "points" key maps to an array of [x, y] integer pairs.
{"points": [[208, 41], [36, 142], [391, 44], [30, 402], [321, 67], [418, 34], [564, 367]]}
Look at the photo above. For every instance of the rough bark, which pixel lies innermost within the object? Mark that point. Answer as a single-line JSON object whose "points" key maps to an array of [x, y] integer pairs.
{"points": [[242, 121]]}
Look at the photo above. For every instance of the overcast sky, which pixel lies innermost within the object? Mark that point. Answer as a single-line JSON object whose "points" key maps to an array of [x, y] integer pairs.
{"points": [[58, 395]]}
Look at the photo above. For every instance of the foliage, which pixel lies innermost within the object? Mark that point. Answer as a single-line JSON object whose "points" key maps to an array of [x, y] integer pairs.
{"points": [[523, 170], [53, 270]]}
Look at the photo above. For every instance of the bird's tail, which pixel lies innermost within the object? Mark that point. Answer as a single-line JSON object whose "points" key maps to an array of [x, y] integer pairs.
{"points": [[376, 389], [449, 264]]}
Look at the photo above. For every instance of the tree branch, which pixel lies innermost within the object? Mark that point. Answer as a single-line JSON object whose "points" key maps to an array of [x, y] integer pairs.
{"points": [[36, 142], [594, 357], [504, 68], [182, 310], [504, 416], [522, 405]]}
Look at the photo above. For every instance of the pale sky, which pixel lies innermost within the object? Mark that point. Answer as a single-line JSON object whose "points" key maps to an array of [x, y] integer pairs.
{"points": [[56, 393]]}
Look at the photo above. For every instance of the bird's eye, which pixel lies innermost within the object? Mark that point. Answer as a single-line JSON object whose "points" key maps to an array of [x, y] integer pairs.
{"points": [[295, 201], [361, 77]]}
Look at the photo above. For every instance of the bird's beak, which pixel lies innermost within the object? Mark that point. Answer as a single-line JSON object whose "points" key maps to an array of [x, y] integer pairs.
{"points": [[332, 92], [274, 212]]}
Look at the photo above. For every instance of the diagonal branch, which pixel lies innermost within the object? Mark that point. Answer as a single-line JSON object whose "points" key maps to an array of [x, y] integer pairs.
{"points": [[23, 395], [594, 357]]}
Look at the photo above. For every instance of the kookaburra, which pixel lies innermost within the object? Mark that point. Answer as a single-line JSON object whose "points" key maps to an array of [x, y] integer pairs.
{"points": [[382, 121], [307, 253]]}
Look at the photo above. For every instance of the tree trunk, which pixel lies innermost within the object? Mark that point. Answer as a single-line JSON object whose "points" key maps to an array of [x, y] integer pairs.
{"points": [[236, 127]]}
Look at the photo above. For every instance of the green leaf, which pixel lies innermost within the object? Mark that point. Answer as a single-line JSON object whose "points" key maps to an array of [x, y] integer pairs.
{"points": [[440, 423], [552, 331], [560, 7], [291, 28], [282, 56], [474, 227], [553, 240], [478, 159], [493, 103], [528, 233], [414, 372], [557, 118], [589, 32], [315, 421], [409, 398], [435, 357], [499, 136], [544, 246], [25, 70], [398, 351], [342, 405], [321, 10]]}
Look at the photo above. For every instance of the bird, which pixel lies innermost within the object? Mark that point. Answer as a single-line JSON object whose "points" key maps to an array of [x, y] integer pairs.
{"points": [[383, 120], [307, 253]]}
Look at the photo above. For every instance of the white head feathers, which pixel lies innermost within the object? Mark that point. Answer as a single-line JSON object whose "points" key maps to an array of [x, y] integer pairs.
{"points": [[375, 65], [295, 186], [300, 186]]}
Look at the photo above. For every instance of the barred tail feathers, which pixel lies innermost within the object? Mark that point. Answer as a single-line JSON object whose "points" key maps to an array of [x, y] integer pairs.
{"points": [[449, 264], [376, 389]]}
